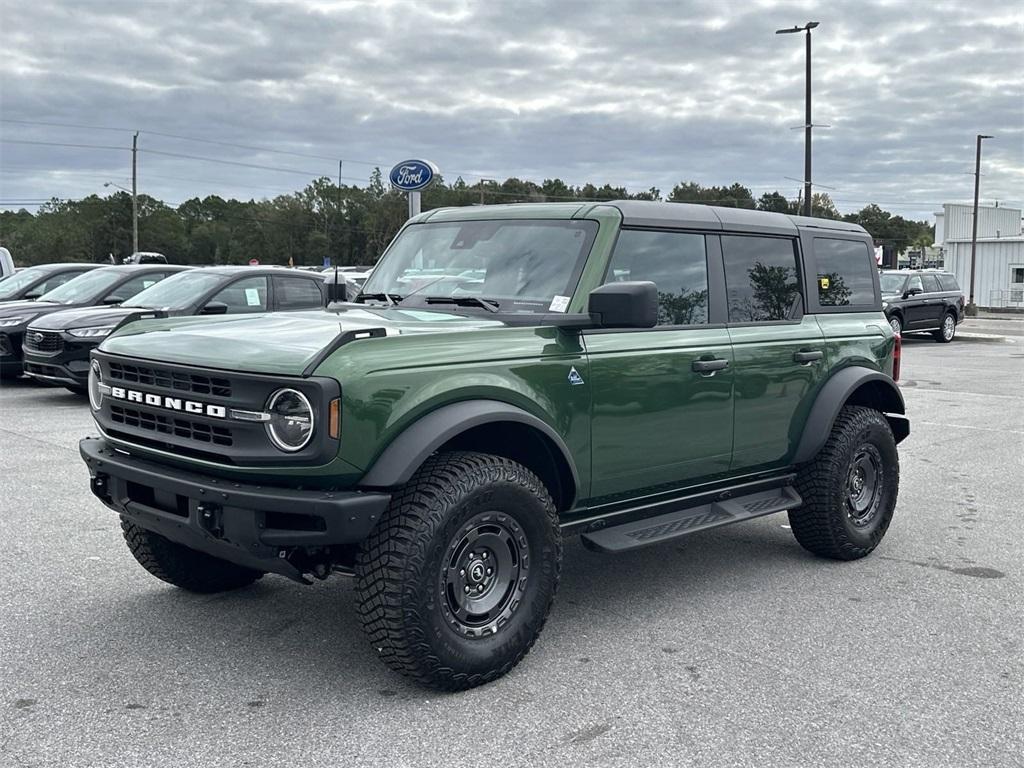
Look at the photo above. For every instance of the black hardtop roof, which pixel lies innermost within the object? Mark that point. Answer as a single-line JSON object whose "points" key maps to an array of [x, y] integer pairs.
{"points": [[234, 269], [53, 266], [647, 213], [134, 268]]}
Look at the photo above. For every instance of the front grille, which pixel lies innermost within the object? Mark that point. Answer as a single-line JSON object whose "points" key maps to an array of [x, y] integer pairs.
{"points": [[171, 425], [43, 341], [165, 378]]}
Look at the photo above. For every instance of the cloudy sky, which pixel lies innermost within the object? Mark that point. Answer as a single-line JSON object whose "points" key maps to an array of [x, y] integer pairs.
{"points": [[639, 94]]}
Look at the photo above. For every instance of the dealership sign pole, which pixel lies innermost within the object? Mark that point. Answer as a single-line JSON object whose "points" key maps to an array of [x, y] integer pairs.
{"points": [[411, 176]]}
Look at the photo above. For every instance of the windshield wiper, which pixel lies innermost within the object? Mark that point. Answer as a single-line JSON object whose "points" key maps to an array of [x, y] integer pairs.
{"points": [[391, 298], [463, 301]]}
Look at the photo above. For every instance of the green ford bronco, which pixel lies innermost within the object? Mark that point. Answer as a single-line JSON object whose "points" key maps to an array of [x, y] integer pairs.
{"points": [[630, 372]]}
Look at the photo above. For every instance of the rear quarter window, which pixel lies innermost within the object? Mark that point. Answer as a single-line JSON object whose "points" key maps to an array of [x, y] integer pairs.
{"points": [[844, 272], [949, 283]]}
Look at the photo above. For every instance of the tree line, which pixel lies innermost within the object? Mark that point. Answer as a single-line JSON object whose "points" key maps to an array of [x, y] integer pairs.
{"points": [[348, 224]]}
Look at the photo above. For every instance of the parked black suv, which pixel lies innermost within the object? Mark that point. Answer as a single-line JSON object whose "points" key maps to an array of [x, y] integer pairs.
{"points": [[33, 282], [103, 286], [922, 300]]}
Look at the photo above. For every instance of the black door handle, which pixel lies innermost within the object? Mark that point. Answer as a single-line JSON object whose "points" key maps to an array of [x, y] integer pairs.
{"points": [[808, 357], [709, 366]]}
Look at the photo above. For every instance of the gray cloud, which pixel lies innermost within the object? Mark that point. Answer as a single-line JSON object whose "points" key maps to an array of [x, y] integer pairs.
{"points": [[642, 94]]}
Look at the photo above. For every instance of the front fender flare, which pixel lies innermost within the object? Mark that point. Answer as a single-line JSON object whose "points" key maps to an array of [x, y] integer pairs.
{"points": [[834, 395], [404, 455]]}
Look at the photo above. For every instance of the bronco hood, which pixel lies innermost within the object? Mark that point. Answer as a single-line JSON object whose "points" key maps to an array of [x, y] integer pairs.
{"points": [[281, 342]]}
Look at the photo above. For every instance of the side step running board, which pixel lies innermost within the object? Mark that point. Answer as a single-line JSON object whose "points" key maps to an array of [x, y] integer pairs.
{"points": [[654, 530]]}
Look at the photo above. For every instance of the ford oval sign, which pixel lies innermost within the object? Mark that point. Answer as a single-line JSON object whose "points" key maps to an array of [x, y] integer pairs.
{"points": [[411, 175]]}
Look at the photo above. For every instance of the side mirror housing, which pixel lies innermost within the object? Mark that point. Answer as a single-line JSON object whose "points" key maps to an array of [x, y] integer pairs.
{"points": [[337, 290], [625, 305], [214, 308]]}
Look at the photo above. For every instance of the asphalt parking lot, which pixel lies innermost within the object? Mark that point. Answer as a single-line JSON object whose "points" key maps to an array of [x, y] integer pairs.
{"points": [[729, 648]]}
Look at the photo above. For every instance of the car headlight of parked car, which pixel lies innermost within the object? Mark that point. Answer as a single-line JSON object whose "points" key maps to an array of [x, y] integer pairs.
{"points": [[291, 420], [885, 305], [10, 322], [91, 333]]}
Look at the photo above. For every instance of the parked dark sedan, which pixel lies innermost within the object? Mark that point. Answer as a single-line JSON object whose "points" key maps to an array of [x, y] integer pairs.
{"points": [[33, 282], [922, 300], [103, 286], [58, 345]]}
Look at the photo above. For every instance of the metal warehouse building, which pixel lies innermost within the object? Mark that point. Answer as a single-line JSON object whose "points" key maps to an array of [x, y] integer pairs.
{"points": [[999, 274]]}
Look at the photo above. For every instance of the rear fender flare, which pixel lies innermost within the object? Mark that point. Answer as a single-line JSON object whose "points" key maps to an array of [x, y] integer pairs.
{"points": [[881, 391]]}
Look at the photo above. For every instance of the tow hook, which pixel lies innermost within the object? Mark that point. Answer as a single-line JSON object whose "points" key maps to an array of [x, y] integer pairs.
{"points": [[211, 519], [100, 488]]}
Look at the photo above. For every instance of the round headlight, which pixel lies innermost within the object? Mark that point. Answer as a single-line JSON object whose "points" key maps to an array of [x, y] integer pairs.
{"points": [[291, 420], [95, 379]]}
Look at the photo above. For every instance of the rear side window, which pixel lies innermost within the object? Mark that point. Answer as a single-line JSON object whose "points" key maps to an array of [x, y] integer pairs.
{"points": [[674, 261], [54, 282], [761, 278], [930, 283], [246, 295], [297, 293], [129, 288], [844, 272], [949, 283]]}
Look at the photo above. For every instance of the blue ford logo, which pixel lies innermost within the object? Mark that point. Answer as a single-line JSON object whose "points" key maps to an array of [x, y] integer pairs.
{"points": [[410, 175]]}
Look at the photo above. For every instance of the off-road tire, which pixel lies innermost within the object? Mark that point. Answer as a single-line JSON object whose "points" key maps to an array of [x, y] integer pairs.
{"points": [[948, 326], [183, 567], [402, 567], [825, 523]]}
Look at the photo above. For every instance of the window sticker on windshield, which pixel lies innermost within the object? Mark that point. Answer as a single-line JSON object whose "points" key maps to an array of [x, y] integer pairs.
{"points": [[559, 304], [252, 297]]}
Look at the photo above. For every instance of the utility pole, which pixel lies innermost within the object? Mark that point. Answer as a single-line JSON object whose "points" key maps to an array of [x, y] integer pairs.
{"points": [[135, 193], [972, 308], [493, 181], [807, 111]]}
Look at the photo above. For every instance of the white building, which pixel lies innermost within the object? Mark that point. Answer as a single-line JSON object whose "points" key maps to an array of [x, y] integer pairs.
{"points": [[999, 273]]}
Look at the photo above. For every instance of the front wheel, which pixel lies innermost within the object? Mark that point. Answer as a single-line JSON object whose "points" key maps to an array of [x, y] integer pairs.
{"points": [[947, 330], [456, 581], [849, 489], [896, 324]]}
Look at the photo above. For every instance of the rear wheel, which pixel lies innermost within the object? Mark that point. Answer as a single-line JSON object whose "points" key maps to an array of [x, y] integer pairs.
{"points": [[947, 330], [850, 488], [183, 567], [456, 581], [896, 323]]}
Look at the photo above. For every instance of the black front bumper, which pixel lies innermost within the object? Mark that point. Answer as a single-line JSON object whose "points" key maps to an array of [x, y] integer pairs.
{"points": [[251, 525], [68, 367]]}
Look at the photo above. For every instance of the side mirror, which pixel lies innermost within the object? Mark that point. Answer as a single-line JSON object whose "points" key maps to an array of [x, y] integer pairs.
{"points": [[33, 295], [111, 301], [214, 308], [625, 305]]}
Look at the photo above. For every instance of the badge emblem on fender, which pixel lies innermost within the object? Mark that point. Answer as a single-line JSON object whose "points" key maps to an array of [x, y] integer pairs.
{"points": [[574, 377]]}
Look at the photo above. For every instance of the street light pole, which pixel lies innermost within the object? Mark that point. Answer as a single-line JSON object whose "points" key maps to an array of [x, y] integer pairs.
{"points": [[135, 194], [972, 308], [807, 111]]}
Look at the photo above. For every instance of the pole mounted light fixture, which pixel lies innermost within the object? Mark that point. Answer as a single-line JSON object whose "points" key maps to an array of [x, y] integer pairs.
{"points": [[807, 111], [972, 308]]}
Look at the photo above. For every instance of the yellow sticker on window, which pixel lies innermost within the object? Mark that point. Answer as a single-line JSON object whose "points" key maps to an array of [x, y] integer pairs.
{"points": [[824, 283]]}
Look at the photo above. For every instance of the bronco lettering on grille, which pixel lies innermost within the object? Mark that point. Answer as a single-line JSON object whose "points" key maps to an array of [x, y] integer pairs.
{"points": [[170, 403]]}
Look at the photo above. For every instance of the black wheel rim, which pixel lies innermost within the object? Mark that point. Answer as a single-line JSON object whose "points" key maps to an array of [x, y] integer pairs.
{"points": [[864, 486], [484, 574], [948, 327]]}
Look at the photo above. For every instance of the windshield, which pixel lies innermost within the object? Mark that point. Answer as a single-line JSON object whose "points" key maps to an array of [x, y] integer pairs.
{"points": [[13, 285], [515, 266], [892, 283], [83, 288], [176, 292]]}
